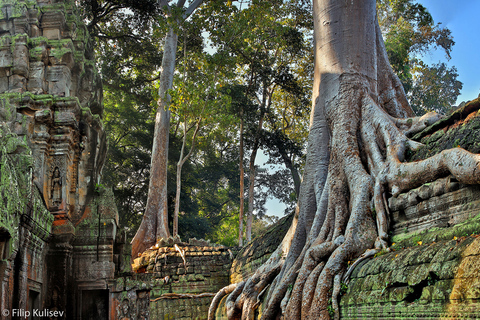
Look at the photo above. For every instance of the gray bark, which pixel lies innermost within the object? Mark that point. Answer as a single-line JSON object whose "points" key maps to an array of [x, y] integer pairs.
{"points": [[180, 164], [154, 224], [355, 154], [242, 183]]}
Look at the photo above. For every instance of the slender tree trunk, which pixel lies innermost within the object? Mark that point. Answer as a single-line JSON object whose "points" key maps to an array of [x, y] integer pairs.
{"points": [[180, 163], [242, 183], [251, 192], [251, 179], [154, 224]]}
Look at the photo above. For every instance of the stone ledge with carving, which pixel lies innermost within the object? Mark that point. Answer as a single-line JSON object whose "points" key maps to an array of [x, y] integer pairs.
{"points": [[50, 95], [444, 202], [432, 271]]}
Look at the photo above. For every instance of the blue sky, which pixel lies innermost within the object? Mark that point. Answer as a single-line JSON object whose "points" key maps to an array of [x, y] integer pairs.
{"points": [[462, 18]]}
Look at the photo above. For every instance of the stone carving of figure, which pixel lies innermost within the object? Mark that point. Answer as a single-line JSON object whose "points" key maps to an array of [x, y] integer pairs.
{"points": [[124, 310], [56, 192], [54, 305]]}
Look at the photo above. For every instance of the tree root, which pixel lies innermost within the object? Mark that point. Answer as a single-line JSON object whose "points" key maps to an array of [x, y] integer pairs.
{"points": [[361, 123], [219, 296]]}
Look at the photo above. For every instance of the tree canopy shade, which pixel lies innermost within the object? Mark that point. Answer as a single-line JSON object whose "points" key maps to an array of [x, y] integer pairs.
{"points": [[355, 160], [267, 42]]}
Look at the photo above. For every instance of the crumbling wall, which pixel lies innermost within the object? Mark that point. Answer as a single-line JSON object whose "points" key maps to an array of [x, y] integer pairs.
{"points": [[176, 281], [433, 275], [432, 271], [255, 253]]}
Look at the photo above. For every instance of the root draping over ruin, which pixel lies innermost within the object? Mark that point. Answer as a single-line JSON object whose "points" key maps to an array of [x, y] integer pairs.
{"points": [[359, 136]]}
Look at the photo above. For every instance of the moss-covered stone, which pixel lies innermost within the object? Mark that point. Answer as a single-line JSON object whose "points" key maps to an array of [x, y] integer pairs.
{"points": [[254, 254], [459, 129]]}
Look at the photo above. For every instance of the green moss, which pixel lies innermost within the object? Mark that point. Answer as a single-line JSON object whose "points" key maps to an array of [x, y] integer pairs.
{"points": [[468, 227], [58, 53], [16, 185], [54, 7], [36, 54], [21, 38]]}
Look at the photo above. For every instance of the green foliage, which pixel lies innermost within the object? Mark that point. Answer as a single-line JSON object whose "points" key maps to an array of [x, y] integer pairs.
{"points": [[226, 232], [409, 31], [16, 185], [436, 88], [270, 44]]}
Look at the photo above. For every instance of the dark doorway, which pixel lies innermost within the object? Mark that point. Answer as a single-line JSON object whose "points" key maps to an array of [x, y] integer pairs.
{"points": [[33, 303], [95, 304]]}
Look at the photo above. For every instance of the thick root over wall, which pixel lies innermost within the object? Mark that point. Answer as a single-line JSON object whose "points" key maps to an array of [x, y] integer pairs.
{"points": [[358, 139]]}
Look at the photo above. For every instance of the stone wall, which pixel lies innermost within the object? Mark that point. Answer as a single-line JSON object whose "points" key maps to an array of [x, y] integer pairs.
{"points": [[254, 254], [432, 271], [421, 279], [58, 234], [175, 281]]}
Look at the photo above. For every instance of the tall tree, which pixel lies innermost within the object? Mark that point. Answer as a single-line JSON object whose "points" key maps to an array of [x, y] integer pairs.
{"points": [[435, 88], [267, 40], [355, 157], [129, 45], [198, 102], [155, 220]]}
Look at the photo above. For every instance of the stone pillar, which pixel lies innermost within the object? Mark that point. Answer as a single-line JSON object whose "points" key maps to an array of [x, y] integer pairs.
{"points": [[59, 274]]}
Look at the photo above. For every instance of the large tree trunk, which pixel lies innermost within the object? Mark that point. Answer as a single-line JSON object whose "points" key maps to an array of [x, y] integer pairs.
{"points": [[154, 224], [355, 155]]}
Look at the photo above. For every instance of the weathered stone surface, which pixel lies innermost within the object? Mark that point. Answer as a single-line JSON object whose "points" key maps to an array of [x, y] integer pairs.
{"points": [[253, 255], [432, 283], [51, 128], [181, 280]]}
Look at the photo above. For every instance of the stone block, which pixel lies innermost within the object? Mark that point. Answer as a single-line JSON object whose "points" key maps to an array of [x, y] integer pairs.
{"points": [[52, 24], [62, 54], [21, 25], [6, 57], [36, 80], [34, 31], [39, 53], [442, 290], [59, 80], [417, 274], [4, 80], [5, 26], [17, 83], [21, 57]]}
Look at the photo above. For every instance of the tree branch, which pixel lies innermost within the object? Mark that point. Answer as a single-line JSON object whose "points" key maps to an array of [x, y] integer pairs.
{"points": [[180, 3], [192, 8]]}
